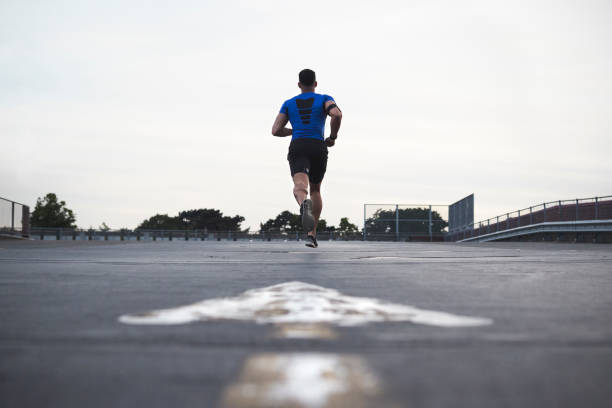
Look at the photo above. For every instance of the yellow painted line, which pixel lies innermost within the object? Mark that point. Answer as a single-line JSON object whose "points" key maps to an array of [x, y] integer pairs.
{"points": [[305, 331], [304, 380]]}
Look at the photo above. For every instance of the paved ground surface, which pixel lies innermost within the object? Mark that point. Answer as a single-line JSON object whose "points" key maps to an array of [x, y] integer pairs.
{"points": [[550, 344]]}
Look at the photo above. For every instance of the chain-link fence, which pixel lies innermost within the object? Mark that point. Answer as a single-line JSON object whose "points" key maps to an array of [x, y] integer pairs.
{"points": [[404, 222], [14, 218]]}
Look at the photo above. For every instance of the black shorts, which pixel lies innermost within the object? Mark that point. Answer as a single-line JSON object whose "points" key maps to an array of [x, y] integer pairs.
{"points": [[307, 155]]}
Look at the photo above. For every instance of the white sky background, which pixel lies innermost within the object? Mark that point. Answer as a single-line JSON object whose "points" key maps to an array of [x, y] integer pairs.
{"points": [[128, 109]]}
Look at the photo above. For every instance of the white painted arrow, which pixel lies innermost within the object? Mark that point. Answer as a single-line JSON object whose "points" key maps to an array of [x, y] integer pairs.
{"points": [[299, 302]]}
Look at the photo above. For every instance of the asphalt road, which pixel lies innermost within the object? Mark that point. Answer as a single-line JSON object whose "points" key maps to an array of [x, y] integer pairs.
{"points": [[549, 344]]}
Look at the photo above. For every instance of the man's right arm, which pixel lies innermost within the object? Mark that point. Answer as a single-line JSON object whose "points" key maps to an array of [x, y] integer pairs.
{"points": [[278, 128]]}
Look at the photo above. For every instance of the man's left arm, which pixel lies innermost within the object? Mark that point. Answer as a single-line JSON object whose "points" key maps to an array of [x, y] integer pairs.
{"points": [[336, 118], [279, 129]]}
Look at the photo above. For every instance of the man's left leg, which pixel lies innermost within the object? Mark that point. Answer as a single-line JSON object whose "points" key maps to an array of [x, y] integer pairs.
{"points": [[300, 187], [317, 205], [300, 192]]}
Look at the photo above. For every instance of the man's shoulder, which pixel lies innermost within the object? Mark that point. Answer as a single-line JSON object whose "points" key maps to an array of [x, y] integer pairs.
{"points": [[290, 99], [325, 97]]}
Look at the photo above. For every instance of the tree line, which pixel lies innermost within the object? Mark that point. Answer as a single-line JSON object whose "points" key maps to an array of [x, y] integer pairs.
{"points": [[51, 212]]}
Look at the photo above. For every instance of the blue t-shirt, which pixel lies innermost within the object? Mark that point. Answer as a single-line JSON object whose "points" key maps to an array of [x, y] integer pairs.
{"points": [[307, 114]]}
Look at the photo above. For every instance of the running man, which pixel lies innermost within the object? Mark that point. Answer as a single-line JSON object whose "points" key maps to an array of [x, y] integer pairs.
{"points": [[307, 156]]}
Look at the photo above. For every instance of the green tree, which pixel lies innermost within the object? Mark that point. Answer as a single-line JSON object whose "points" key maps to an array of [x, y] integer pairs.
{"points": [[347, 227], [203, 218], [211, 219], [413, 220], [323, 227], [286, 221], [49, 212], [289, 222], [161, 222]]}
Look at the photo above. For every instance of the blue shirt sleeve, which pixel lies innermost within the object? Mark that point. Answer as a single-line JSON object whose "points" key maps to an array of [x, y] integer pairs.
{"points": [[328, 98], [284, 109]]}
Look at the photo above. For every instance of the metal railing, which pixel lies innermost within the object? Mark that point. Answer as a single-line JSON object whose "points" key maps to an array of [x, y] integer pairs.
{"points": [[76, 234], [579, 209], [14, 218]]}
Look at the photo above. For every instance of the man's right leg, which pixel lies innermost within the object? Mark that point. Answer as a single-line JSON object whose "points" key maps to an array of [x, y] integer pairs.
{"points": [[317, 206]]}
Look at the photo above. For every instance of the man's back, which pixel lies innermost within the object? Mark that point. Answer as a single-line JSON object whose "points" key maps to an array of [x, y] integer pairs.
{"points": [[307, 115]]}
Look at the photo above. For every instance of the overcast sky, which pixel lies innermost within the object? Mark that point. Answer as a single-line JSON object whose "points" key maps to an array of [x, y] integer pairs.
{"points": [[126, 109]]}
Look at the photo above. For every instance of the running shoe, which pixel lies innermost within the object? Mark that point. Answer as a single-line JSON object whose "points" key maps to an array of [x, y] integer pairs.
{"points": [[311, 241], [308, 221]]}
